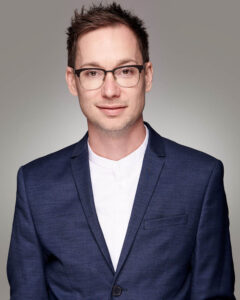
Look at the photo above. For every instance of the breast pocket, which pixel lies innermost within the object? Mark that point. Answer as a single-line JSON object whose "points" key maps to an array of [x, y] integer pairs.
{"points": [[165, 221]]}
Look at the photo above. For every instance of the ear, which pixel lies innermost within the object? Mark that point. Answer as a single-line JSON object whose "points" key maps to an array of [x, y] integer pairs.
{"points": [[71, 81], [148, 76]]}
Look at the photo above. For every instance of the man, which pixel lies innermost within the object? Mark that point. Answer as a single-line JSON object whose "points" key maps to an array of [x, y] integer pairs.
{"points": [[124, 212]]}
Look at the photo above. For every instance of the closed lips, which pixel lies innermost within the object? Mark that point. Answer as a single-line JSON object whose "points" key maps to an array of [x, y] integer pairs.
{"points": [[106, 107]]}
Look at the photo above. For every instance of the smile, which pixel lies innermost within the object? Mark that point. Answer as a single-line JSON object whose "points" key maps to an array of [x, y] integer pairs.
{"points": [[111, 110]]}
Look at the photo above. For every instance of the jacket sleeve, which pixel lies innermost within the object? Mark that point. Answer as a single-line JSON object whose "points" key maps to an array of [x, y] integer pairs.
{"points": [[212, 265], [25, 266]]}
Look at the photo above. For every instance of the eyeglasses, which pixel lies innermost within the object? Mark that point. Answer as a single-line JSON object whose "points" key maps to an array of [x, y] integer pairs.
{"points": [[125, 76]]}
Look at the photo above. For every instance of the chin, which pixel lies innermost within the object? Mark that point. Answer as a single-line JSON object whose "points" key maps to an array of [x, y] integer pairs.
{"points": [[114, 126]]}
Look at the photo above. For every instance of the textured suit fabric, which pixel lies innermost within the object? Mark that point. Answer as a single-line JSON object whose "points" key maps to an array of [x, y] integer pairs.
{"points": [[177, 244]]}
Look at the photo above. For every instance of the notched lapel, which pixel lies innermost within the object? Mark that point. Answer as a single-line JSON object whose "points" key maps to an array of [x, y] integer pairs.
{"points": [[81, 174], [151, 169]]}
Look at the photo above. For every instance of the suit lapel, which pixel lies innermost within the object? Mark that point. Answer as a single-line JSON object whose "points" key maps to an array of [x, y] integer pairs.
{"points": [[153, 163], [81, 174], [151, 169]]}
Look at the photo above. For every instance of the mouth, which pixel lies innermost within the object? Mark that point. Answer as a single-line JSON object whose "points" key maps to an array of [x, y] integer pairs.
{"points": [[112, 110], [111, 106]]}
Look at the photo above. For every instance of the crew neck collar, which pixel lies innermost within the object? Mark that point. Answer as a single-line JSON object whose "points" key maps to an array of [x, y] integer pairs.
{"points": [[129, 159]]}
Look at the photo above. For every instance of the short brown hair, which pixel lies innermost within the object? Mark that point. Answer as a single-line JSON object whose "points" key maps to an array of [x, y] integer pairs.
{"points": [[101, 16]]}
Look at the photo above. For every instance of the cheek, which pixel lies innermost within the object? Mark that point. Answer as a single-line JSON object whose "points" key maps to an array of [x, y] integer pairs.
{"points": [[86, 107], [86, 100], [139, 99]]}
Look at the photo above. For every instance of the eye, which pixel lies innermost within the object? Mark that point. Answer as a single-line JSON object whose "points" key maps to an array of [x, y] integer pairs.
{"points": [[92, 73], [126, 72]]}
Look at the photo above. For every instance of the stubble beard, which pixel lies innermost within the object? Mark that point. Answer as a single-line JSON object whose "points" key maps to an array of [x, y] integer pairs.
{"points": [[115, 130]]}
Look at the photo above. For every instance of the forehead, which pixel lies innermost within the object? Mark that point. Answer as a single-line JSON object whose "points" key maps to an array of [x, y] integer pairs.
{"points": [[107, 47]]}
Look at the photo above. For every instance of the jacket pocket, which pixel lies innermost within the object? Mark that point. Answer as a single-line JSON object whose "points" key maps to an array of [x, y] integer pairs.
{"points": [[165, 221]]}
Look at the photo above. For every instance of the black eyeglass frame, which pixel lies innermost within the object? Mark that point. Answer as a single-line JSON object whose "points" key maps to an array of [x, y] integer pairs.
{"points": [[139, 67]]}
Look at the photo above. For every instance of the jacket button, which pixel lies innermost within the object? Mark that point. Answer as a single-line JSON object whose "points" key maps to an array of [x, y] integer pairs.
{"points": [[116, 291]]}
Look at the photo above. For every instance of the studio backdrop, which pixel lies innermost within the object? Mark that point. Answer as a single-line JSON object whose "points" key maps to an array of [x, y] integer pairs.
{"points": [[194, 47]]}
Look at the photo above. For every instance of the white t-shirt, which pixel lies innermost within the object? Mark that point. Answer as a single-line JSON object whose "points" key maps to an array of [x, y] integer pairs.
{"points": [[114, 185]]}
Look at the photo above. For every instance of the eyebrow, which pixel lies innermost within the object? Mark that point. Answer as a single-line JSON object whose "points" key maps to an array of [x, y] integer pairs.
{"points": [[119, 63]]}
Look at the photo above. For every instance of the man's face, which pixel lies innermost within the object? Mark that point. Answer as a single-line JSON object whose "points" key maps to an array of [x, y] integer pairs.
{"points": [[111, 108]]}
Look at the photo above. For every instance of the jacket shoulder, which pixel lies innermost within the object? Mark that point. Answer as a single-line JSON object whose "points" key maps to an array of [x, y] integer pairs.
{"points": [[49, 166], [191, 164], [187, 155], [177, 153]]}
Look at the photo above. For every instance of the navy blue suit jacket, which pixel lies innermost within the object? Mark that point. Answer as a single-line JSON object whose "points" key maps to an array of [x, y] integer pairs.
{"points": [[177, 244]]}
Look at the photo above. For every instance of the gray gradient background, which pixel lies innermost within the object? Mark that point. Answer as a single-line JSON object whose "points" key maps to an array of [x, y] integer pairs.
{"points": [[194, 47]]}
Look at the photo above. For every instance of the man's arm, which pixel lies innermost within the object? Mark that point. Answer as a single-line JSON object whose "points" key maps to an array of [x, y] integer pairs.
{"points": [[25, 268], [212, 265]]}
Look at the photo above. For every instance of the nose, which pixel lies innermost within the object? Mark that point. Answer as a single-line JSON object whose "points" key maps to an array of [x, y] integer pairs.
{"points": [[110, 88]]}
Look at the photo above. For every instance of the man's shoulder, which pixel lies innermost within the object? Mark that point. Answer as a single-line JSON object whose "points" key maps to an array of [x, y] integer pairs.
{"points": [[172, 147], [177, 152], [188, 157], [50, 163]]}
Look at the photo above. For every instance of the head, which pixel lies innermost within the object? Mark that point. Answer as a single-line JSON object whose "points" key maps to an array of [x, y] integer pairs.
{"points": [[108, 37]]}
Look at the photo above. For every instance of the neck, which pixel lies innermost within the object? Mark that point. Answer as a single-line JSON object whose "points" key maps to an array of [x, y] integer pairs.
{"points": [[116, 145]]}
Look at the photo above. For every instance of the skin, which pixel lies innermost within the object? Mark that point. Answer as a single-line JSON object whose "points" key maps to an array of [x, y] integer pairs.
{"points": [[114, 114]]}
